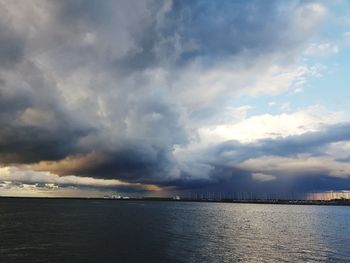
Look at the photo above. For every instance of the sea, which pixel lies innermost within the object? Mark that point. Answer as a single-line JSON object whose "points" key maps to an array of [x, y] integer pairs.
{"points": [[58, 230]]}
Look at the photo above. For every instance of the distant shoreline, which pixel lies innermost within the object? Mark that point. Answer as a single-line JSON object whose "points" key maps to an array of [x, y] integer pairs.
{"points": [[337, 202]]}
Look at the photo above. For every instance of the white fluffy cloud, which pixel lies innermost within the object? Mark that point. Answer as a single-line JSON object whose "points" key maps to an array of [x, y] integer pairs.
{"points": [[322, 49], [272, 126]]}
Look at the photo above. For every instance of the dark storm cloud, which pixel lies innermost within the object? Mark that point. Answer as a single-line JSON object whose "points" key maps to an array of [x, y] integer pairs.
{"points": [[31, 144], [11, 47], [241, 185], [226, 173], [209, 31], [132, 163], [312, 143], [345, 159], [228, 180], [232, 26], [34, 125], [82, 85]]}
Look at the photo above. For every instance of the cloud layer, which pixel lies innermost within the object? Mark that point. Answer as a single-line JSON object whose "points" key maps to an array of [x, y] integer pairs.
{"points": [[144, 92]]}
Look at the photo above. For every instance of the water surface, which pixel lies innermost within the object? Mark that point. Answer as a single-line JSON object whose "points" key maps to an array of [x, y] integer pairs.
{"points": [[34, 230]]}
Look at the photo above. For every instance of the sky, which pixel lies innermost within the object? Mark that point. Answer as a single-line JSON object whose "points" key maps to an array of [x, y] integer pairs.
{"points": [[148, 97]]}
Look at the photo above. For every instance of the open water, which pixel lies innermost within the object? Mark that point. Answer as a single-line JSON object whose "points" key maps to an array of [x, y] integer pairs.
{"points": [[44, 230]]}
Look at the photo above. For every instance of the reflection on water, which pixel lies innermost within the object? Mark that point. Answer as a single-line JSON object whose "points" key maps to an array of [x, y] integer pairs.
{"points": [[112, 231]]}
